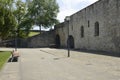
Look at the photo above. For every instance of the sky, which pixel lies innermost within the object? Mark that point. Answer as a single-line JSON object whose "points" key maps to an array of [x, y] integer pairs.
{"points": [[69, 7]]}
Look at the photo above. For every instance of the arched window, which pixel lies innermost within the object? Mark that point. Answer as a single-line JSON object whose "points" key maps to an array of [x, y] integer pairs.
{"points": [[82, 31], [96, 28]]}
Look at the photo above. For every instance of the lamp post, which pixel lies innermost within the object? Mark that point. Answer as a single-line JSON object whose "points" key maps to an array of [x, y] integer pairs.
{"points": [[15, 39], [68, 46]]}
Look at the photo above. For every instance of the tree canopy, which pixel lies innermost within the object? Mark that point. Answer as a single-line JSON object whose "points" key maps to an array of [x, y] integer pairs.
{"points": [[19, 15], [20, 12], [7, 19], [43, 12]]}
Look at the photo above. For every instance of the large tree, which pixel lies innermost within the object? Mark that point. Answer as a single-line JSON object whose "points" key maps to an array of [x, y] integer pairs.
{"points": [[43, 12], [15, 14], [24, 22], [7, 19], [13, 17], [19, 13]]}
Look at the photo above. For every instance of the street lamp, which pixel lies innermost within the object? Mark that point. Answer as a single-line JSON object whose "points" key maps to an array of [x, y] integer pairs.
{"points": [[67, 18], [16, 39]]}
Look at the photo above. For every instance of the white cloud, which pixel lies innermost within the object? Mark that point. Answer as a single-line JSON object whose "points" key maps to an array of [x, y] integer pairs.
{"points": [[68, 7]]}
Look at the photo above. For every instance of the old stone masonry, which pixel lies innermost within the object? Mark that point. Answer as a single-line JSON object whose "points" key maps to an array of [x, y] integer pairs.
{"points": [[96, 27]]}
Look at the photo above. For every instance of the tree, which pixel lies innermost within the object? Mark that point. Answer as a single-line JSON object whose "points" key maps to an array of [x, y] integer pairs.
{"points": [[13, 15], [24, 22], [23, 15], [19, 13], [43, 12], [7, 3], [7, 19]]}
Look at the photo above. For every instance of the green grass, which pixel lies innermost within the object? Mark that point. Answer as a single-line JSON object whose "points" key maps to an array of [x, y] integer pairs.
{"points": [[33, 34], [4, 55]]}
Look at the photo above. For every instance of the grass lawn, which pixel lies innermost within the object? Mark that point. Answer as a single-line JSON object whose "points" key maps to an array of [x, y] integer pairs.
{"points": [[33, 34], [4, 55]]}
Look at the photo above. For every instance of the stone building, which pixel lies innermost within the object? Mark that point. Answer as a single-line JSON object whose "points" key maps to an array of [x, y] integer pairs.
{"points": [[96, 27]]}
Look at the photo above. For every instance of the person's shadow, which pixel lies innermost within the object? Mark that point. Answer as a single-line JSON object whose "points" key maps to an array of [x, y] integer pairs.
{"points": [[13, 59]]}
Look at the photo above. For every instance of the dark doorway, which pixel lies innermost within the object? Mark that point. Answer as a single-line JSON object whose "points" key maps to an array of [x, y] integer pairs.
{"points": [[71, 42], [57, 40]]}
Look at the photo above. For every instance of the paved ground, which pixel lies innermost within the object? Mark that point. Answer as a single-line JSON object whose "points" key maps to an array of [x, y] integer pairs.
{"points": [[53, 64]]}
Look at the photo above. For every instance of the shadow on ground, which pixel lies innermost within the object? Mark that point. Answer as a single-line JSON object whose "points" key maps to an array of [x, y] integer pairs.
{"points": [[113, 54], [13, 59], [98, 52]]}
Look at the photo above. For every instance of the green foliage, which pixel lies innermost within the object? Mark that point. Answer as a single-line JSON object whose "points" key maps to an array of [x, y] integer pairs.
{"points": [[7, 3], [21, 16], [3, 58], [24, 23], [7, 22], [43, 12]]}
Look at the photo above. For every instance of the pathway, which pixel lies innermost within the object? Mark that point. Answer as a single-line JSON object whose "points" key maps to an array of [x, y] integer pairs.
{"points": [[52, 64]]}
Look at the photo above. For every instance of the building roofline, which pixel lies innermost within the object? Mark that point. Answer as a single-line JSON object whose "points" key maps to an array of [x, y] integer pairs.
{"points": [[59, 25], [91, 5], [86, 7]]}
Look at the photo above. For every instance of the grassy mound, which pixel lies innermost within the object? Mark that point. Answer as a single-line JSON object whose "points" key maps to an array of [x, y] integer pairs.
{"points": [[33, 34]]}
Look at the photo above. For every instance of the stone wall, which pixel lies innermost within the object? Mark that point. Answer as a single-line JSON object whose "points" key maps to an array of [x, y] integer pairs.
{"points": [[43, 40], [107, 14], [21, 43], [61, 30]]}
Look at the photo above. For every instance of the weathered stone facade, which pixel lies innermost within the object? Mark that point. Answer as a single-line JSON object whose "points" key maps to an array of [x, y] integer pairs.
{"points": [[43, 40], [106, 13]]}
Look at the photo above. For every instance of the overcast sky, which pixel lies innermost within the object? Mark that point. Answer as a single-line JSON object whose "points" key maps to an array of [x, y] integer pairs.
{"points": [[69, 7]]}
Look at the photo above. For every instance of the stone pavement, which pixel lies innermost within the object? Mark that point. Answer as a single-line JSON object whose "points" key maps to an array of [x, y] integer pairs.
{"points": [[53, 64]]}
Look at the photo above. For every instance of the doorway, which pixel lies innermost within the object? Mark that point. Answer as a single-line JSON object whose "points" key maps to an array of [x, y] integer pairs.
{"points": [[57, 40], [71, 41]]}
